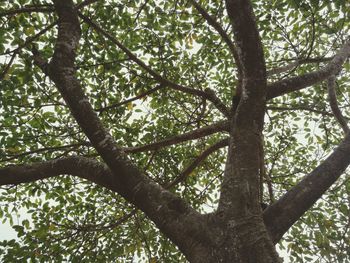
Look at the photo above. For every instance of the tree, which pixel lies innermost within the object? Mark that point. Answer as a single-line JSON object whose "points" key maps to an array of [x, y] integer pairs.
{"points": [[157, 129]]}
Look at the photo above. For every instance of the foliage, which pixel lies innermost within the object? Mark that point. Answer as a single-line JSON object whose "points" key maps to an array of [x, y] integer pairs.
{"points": [[70, 218]]}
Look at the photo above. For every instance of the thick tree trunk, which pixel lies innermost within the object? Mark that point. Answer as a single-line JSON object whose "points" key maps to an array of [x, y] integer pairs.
{"points": [[244, 241]]}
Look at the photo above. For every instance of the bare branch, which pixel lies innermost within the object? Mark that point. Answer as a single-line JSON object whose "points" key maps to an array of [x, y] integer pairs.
{"points": [[28, 9], [189, 169], [285, 86], [201, 132], [295, 64], [140, 96], [54, 148], [300, 108], [8, 66], [77, 166], [334, 104], [280, 216], [211, 96], [211, 21]]}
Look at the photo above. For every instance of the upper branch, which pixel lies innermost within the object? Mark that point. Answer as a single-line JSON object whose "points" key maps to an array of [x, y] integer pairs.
{"points": [[249, 47], [211, 21], [300, 82], [295, 64], [201, 132], [334, 104], [280, 216], [28, 9], [204, 94], [189, 169]]}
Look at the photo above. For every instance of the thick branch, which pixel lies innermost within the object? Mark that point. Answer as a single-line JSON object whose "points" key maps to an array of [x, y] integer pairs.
{"points": [[239, 201], [28, 9], [211, 96], [77, 166], [334, 104], [171, 214], [285, 86], [280, 216], [242, 166]]}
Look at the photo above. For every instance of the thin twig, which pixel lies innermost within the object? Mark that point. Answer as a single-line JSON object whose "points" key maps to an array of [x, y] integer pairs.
{"points": [[208, 94], [189, 169], [334, 104], [140, 96]]}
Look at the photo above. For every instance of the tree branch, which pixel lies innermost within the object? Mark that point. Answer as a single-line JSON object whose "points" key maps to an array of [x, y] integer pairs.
{"points": [[280, 216], [140, 96], [296, 63], [54, 148], [300, 108], [211, 21], [334, 104], [82, 167], [201, 132], [28, 9], [285, 86], [189, 169], [170, 213], [204, 94]]}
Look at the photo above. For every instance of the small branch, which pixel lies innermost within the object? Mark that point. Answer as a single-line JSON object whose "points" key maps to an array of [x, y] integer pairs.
{"points": [[301, 108], [28, 9], [334, 104], [211, 21], [30, 39], [201, 132], [142, 95], [140, 10], [296, 63], [189, 169], [207, 95], [8, 66], [15, 156], [85, 3]]}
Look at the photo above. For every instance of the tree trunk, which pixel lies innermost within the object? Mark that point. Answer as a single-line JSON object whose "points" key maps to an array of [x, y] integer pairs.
{"points": [[246, 241]]}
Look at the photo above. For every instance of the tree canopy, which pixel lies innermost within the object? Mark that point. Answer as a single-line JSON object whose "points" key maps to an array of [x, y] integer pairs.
{"points": [[153, 130]]}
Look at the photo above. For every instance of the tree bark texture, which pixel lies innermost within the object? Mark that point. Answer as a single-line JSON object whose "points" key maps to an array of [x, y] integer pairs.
{"points": [[239, 231]]}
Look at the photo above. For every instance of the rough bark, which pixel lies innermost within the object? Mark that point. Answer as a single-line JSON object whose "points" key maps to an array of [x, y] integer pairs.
{"points": [[245, 238], [172, 215]]}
